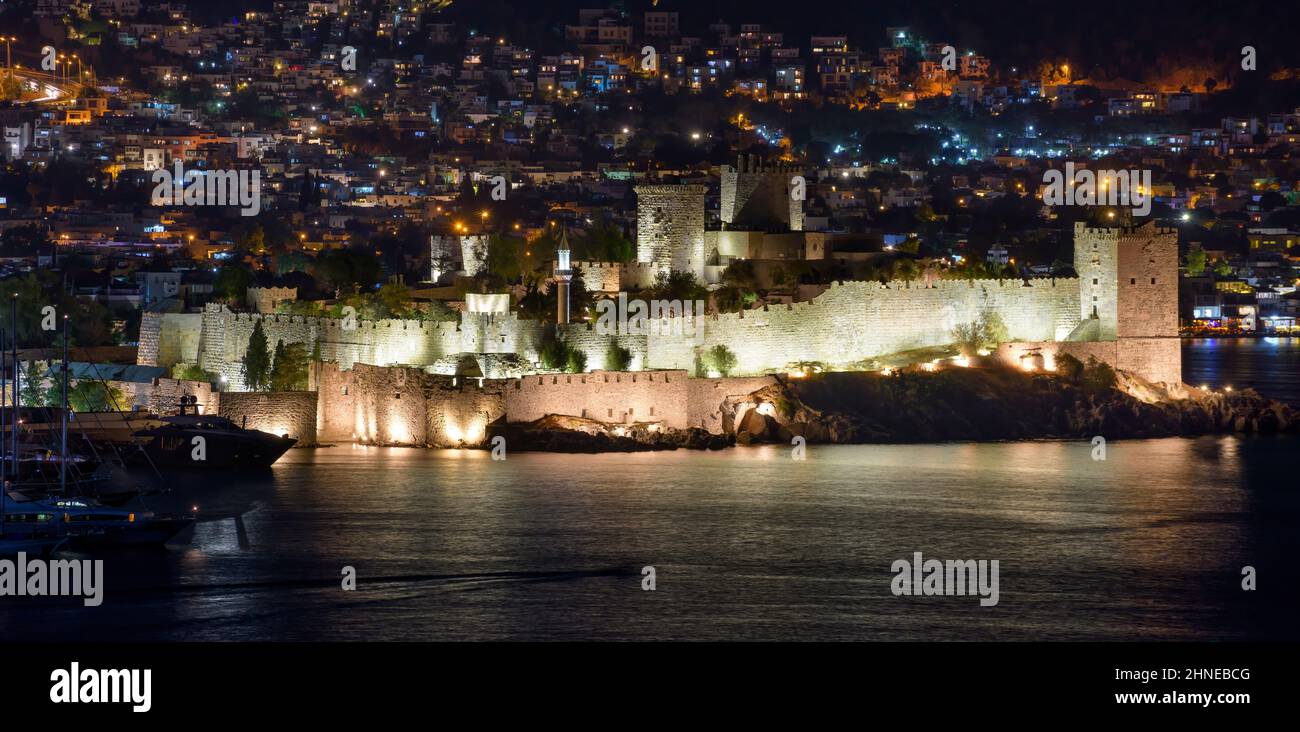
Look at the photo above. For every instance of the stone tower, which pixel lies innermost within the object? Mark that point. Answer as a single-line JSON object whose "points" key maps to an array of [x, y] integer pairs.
{"points": [[1128, 293], [1096, 257], [670, 227], [756, 195]]}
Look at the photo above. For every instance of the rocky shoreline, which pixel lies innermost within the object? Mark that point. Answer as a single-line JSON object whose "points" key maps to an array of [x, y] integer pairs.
{"points": [[918, 406], [558, 433], [993, 404]]}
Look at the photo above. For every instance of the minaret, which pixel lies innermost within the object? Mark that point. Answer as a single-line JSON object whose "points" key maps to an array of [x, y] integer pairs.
{"points": [[563, 274]]}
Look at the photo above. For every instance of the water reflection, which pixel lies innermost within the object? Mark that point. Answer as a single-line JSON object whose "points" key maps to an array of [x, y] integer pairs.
{"points": [[747, 543]]}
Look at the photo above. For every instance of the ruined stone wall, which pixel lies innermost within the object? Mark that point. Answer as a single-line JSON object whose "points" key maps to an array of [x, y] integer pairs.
{"points": [[614, 397], [291, 413], [706, 396], [853, 321], [670, 227]]}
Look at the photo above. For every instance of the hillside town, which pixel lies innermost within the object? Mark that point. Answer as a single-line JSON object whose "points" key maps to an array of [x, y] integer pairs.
{"points": [[400, 163]]}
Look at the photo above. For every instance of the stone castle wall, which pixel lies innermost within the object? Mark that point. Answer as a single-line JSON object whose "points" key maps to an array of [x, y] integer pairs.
{"points": [[853, 321], [1154, 359], [584, 337], [607, 396], [405, 406], [291, 413], [167, 339], [614, 277], [265, 299], [225, 337]]}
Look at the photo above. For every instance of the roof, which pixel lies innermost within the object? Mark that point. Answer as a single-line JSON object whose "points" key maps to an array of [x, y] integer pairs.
{"points": [[78, 370]]}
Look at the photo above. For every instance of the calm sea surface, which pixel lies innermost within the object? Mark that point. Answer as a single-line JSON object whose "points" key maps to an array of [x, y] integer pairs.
{"points": [[747, 544]]}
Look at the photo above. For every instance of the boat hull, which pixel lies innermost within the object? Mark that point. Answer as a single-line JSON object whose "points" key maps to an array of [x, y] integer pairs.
{"points": [[235, 452]]}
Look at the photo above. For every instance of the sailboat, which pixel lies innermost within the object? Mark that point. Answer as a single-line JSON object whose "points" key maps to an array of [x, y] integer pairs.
{"points": [[51, 519], [16, 536]]}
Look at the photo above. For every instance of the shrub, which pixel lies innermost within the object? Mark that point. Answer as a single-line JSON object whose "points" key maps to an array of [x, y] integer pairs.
{"points": [[576, 362], [617, 358], [1098, 376], [1068, 367], [720, 359], [553, 354]]}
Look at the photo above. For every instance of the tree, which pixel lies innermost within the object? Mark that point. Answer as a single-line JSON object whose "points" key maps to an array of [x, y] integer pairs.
{"points": [[33, 383], [232, 283], [980, 335], [577, 361], [95, 396], [190, 372], [1098, 376], [677, 285], [553, 353], [720, 359], [256, 364], [1222, 268], [1196, 260], [289, 373], [617, 358]]}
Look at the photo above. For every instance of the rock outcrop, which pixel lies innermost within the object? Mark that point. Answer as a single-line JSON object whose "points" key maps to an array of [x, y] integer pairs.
{"points": [[959, 404], [558, 433]]}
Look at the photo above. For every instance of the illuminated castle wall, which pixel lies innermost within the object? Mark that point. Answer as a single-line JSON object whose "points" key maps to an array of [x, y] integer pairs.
{"points": [[223, 336]]}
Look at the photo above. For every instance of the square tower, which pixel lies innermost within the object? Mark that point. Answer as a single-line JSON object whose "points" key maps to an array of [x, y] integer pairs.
{"points": [[1096, 260], [670, 227], [1148, 283]]}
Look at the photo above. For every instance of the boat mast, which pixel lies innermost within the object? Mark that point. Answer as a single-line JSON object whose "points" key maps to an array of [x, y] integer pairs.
{"points": [[13, 309], [63, 463], [4, 400], [4, 465]]}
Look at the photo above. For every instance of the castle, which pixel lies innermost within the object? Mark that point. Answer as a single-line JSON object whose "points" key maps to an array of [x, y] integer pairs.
{"points": [[1121, 308]]}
